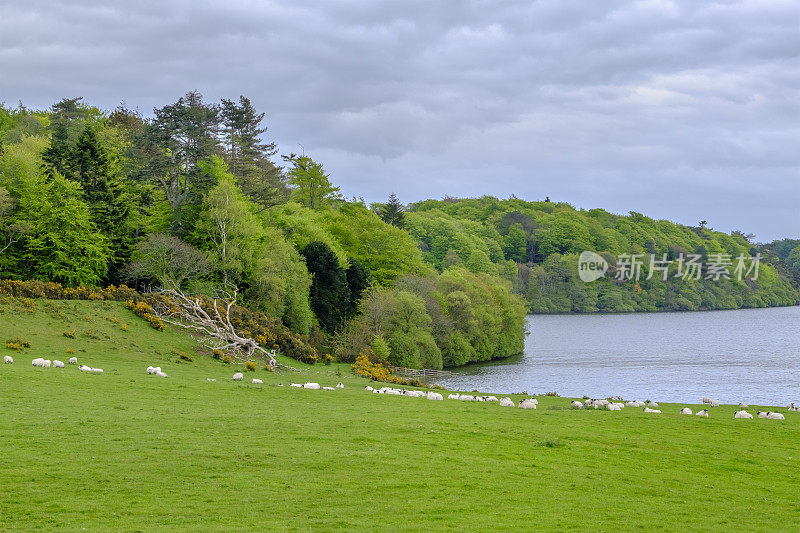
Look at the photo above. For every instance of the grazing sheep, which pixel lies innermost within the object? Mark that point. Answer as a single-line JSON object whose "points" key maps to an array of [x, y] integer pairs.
{"points": [[84, 368], [466, 398], [158, 369], [703, 413], [453, 396], [491, 399], [238, 376], [328, 388], [506, 402], [413, 393], [686, 411], [340, 385], [39, 361], [257, 381], [715, 403], [775, 416], [311, 385], [743, 405], [47, 363], [613, 407], [300, 385], [73, 360], [368, 388], [706, 399], [393, 392], [435, 396], [762, 414], [160, 374], [742, 414], [151, 370], [8, 359], [58, 364], [576, 404], [527, 404], [480, 399], [619, 404], [651, 404], [648, 410]]}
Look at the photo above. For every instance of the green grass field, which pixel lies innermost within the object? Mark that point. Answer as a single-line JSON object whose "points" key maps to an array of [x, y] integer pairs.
{"points": [[128, 451]]}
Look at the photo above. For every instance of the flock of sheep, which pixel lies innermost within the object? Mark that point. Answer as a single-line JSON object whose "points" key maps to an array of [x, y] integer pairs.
{"points": [[526, 403]]}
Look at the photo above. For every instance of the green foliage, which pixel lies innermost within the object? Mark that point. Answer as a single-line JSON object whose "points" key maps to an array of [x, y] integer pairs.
{"points": [[330, 295], [312, 187], [392, 212]]}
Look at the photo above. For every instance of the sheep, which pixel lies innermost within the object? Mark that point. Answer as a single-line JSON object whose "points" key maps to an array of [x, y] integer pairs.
{"points": [[686, 411], [631, 403], [479, 399], [715, 403], [742, 414], [311, 385], [47, 363], [706, 399], [368, 388], [73, 360], [527, 404], [151, 370], [84, 368], [576, 404], [453, 396], [775, 416], [299, 385], [435, 396], [327, 388], [506, 402], [238, 376], [743, 405], [619, 404], [157, 369], [393, 392], [8, 359], [160, 374], [39, 361], [412, 393], [651, 404], [58, 364], [257, 381], [466, 398], [703, 413], [648, 410], [762, 414], [340, 385], [613, 407]]}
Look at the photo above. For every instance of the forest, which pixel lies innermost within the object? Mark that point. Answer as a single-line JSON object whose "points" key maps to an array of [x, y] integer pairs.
{"points": [[194, 197]]}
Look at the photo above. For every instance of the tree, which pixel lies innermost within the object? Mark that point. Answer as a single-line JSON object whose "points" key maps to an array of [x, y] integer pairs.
{"points": [[181, 136], [358, 281], [392, 212], [248, 157], [167, 260], [329, 291], [515, 245], [312, 186]]}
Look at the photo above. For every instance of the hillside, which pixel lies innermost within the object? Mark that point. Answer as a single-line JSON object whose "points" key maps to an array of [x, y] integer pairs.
{"points": [[536, 246], [125, 450]]}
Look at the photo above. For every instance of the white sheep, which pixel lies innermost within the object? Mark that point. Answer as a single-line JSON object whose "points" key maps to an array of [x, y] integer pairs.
{"points": [[257, 381], [453, 396], [703, 413], [47, 363], [742, 414], [651, 404], [434, 396], [151, 370], [466, 398], [84, 368], [491, 399], [299, 385], [631, 403], [762, 414], [743, 405], [367, 388], [340, 386], [619, 404], [506, 402], [158, 369], [8, 359], [100, 371], [393, 392], [648, 410], [771, 415], [576, 404], [328, 388], [73, 360], [715, 403], [613, 407], [238, 376], [527, 404], [161, 374], [706, 399], [479, 399], [686, 411], [311, 385], [58, 364]]}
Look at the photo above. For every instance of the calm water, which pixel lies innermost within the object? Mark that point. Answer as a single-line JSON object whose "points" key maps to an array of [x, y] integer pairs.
{"points": [[750, 355]]}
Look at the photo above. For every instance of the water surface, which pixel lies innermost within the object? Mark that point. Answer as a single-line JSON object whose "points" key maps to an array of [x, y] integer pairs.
{"points": [[746, 355]]}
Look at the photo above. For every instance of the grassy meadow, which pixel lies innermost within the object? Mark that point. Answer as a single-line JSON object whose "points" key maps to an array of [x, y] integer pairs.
{"points": [[128, 451]]}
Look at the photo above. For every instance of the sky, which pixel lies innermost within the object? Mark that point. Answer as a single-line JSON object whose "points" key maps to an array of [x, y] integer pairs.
{"points": [[682, 110]]}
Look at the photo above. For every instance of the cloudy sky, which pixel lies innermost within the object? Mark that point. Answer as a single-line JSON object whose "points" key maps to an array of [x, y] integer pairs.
{"points": [[684, 110]]}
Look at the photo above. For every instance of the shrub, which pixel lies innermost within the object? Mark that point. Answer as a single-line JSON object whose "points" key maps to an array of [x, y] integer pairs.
{"points": [[228, 359], [328, 359], [379, 372], [217, 353], [186, 357], [250, 366], [124, 326], [69, 334], [70, 351], [17, 344]]}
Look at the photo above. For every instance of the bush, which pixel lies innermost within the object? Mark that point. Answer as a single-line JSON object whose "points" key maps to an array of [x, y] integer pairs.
{"points": [[124, 327], [70, 351], [186, 357], [69, 334], [17, 344], [250, 366], [379, 372], [228, 359], [217, 353]]}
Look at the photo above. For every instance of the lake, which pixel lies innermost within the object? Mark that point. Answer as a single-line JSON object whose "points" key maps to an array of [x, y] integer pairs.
{"points": [[748, 355]]}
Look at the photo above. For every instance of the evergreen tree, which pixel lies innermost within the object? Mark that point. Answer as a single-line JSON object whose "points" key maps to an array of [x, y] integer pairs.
{"points": [[392, 213], [330, 295], [358, 281], [312, 186]]}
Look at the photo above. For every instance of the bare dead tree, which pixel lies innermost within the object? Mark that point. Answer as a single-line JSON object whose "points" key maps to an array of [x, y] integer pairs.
{"points": [[212, 321]]}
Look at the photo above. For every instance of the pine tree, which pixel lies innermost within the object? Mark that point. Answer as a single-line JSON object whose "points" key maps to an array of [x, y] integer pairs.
{"points": [[393, 212], [329, 291]]}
